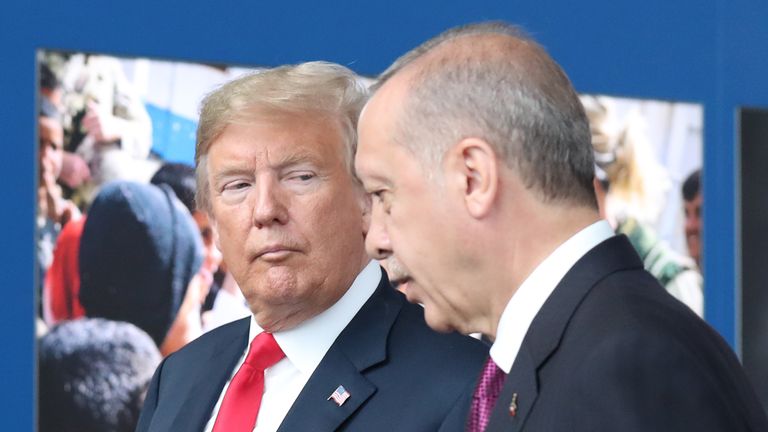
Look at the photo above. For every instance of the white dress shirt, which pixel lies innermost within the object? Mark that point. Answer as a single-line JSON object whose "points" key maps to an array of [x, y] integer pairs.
{"points": [[304, 347], [536, 289]]}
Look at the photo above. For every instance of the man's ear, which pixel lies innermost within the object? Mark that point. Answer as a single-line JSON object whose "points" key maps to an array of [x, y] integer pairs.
{"points": [[474, 167]]}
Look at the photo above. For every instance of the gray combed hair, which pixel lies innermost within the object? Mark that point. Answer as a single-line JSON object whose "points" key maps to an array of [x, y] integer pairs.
{"points": [[495, 83]]}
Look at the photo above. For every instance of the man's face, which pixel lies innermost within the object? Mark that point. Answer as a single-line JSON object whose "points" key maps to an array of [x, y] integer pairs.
{"points": [[411, 221], [288, 215], [212, 253], [51, 145], [693, 227]]}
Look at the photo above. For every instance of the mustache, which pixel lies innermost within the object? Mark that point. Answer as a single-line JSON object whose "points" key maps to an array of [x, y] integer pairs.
{"points": [[396, 271]]}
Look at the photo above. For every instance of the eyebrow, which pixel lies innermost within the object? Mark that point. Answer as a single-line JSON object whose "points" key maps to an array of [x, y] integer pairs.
{"points": [[374, 176], [376, 181], [241, 167], [230, 171], [296, 159]]}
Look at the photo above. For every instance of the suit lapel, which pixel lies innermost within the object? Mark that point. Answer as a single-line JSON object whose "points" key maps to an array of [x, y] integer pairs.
{"points": [[547, 328], [361, 345], [216, 369], [313, 411], [517, 396]]}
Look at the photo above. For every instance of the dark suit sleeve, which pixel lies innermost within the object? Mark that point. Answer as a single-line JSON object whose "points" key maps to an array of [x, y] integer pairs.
{"points": [[150, 401]]}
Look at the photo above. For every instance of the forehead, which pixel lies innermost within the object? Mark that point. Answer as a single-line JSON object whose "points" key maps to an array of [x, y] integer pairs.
{"points": [[297, 136], [379, 121]]}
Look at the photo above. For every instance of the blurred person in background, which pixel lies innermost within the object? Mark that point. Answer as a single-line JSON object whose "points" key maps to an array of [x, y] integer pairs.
{"points": [[93, 375], [141, 261], [624, 177], [74, 171], [692, 200], [104, 118], [224, 302], [54, 211], [61, 289]]}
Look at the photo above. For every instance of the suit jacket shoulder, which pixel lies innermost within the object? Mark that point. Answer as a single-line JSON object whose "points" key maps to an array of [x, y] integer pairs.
{"points": [[188, 383], [400, 374], [612, 350]]}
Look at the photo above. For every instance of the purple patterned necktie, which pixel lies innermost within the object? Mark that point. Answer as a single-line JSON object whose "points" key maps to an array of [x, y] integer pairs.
{"points": [[486, 394]]}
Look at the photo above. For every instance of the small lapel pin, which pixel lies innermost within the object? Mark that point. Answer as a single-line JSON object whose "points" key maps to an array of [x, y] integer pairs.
{"points": [[513, 405], [340, 395]]}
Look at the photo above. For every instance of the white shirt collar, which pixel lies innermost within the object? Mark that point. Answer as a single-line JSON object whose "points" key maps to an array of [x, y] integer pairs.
{"points": [[306, 344], [537, 287]]}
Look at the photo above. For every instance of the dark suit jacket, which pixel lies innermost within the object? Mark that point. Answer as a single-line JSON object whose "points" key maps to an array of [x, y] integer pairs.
{"points": [[611, 350], [401, 375]]}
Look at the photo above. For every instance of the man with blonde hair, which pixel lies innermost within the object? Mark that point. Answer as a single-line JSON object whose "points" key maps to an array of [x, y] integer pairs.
{"points": [[478, 155], [330, 344]]}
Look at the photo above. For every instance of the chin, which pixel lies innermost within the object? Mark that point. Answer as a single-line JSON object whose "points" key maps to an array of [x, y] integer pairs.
{"points": [[437, 323]]}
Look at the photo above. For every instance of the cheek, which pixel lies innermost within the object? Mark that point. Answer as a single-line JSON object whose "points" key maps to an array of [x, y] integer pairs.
{"points": [[421, 241], [230, 230], [340, 211]]}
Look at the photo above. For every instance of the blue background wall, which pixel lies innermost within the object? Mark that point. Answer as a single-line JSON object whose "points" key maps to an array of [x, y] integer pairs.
{"points": [[712, 52]]}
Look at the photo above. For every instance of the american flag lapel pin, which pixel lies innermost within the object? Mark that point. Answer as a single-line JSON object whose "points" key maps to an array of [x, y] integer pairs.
{"points": [[513, 405], [340, 395]]}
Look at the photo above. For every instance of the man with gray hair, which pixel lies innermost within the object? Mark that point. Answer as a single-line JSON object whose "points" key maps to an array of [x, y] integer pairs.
{"points": [[330, 344], [477, 153]]}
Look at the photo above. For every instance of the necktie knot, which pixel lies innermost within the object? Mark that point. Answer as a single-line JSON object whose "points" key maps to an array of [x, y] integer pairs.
{"points": [[240, 406], [264, 352]]}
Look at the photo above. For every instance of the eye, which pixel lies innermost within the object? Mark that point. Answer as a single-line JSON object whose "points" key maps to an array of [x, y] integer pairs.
{"points": [[377, 195], [235, 185], [380, 197], [300, 176]]}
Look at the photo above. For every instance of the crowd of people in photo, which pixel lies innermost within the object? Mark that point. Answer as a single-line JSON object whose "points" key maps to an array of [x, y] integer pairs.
{"points": [[297, 236], [119, 242]]}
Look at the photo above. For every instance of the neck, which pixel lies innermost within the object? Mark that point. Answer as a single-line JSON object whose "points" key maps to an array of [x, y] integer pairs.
{"points": [[282, 317], [525, 249]]}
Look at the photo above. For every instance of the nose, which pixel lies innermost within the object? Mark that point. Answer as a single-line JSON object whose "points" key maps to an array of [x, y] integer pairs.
{"points": [[270, 207], [377, 242]]}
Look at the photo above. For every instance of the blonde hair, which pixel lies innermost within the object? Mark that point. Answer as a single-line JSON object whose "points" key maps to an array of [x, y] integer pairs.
{"points": [[622, 151]]}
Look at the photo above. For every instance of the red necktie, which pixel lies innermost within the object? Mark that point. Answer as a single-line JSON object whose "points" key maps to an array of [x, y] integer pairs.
{"points": [[487, 392], [241, 403]]}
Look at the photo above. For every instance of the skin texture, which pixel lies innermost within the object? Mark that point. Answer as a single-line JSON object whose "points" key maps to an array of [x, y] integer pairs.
{"points": [[288, 215], [212, 253], [405, 213], [51, 157], [51, 146], [693, 227], [451, 227]]}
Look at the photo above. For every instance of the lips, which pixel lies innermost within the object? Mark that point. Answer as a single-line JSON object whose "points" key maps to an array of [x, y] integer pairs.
{"points": [[399, 280], [405, 286], [274, 253]]}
